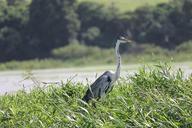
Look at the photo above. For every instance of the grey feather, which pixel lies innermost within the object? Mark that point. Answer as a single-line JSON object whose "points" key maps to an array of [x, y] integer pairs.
{"points": [[99, 87]]}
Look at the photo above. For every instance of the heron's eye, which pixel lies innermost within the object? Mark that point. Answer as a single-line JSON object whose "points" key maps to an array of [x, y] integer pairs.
{"points": [[109, 79]]}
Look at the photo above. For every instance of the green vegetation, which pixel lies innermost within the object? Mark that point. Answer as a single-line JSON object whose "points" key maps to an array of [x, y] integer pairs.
{"points": [[77, 55], [153, 97], [126, 5], [32, 29], [186, 47], [76, 51]]}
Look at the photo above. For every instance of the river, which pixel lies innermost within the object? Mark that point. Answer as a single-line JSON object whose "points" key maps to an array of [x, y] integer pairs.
{"points": [[12, 81]]}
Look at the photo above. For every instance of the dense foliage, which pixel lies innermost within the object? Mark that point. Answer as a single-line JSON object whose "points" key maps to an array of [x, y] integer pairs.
{"points": [[52, 23], [166, 25], [153, 97], [31, 29]]}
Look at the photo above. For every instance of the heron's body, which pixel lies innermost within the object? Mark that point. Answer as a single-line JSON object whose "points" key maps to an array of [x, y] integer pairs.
{"points": [[100, 87], [104, 84]]}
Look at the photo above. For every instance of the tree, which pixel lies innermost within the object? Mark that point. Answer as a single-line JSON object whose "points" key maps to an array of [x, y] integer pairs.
{"points": [[52, 23], [12, 21], [10, 40], [100, 22]]}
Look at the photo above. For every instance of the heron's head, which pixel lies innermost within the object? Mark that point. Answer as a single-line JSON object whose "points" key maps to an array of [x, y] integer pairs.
{"points": [[125, 40]]}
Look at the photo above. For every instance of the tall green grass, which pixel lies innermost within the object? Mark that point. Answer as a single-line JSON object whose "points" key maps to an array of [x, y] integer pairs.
{"points": [[153, 97]]}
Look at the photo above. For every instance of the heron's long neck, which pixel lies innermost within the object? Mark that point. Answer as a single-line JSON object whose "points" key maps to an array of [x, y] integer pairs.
{"points": [[118, 61]]}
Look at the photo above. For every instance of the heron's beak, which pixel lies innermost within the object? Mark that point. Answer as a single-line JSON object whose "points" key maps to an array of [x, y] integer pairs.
{"points": [[126, 40]]}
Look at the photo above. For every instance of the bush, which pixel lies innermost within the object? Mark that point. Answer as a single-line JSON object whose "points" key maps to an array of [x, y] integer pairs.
{"points": [[185, 47], [91, 34], [76, 50], [152, 49], [148, 49]]}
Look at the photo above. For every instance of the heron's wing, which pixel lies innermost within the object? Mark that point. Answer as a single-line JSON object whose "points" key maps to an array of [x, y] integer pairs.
{"points": [[100, 81], [101, 85]]}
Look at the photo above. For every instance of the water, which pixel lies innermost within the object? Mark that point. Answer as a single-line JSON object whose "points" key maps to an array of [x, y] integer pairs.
{"points": [[12, 81]]}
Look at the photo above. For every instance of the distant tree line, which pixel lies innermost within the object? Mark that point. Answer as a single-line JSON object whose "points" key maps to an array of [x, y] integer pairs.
{"points": [[33, 29]]}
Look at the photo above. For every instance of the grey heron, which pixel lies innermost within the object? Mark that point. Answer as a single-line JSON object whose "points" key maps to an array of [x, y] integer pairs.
{"points": [[104, 84]]}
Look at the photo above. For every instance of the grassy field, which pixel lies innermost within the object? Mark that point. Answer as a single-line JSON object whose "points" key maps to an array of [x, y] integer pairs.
{"points": [[127, 5], [76, 55], [151, 98], [89, 61]]}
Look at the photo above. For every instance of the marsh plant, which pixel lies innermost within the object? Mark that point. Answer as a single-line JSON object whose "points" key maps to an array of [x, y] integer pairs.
{"points": [[153, 97]]}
